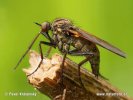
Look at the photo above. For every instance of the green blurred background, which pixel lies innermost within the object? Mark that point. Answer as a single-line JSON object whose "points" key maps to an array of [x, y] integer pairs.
{"points": [[111, 20]]}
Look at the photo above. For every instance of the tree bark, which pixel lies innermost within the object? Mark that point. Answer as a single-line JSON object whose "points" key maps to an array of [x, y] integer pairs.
{"points": [[47, 79]]}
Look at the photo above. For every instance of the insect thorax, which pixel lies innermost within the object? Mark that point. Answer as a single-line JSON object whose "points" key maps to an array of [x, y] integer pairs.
{"points": [[62, 37]]}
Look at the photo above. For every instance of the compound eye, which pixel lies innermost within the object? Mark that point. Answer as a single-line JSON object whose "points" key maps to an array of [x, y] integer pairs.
{"points": [[45, 26]]}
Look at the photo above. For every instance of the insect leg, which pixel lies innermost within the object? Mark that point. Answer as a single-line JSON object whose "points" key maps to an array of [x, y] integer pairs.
{"points": [[50, 48], [31, 44], [62, 66], [48, 51], [47, 36], [79, 74], [79, 53], [66, 48], [95, 67], [51, 41], [40, 49], [76, 52]]}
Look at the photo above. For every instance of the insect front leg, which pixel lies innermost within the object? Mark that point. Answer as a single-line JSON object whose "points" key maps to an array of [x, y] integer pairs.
{"points": [[41, 52]]}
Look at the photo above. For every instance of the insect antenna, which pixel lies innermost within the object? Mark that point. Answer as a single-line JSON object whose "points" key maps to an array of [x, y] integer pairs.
{"points": [[27, 50]]}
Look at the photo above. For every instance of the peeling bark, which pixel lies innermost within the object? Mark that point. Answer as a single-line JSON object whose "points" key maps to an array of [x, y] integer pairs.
{"points": [[47, 80]]}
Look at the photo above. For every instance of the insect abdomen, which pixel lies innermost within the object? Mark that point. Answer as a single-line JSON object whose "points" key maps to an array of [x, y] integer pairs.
{"points": [[94, 59]]}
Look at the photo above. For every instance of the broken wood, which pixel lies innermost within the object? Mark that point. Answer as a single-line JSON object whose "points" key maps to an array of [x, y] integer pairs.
{"points": [[47, 80]]}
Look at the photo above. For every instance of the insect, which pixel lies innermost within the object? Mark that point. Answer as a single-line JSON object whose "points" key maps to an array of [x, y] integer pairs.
{"points": [[65, 36]]}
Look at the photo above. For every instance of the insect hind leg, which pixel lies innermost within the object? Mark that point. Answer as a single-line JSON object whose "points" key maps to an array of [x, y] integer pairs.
{"points": [[79, 74], [88, 55]]}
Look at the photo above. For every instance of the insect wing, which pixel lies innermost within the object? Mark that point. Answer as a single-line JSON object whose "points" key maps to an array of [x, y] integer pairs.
{"points": [[98, 41]]}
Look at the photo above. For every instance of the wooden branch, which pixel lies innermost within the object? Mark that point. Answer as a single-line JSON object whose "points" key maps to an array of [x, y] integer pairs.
{"points": [[47, 80]]}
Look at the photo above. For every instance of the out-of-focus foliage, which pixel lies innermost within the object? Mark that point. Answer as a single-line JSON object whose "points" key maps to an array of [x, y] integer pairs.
{"points": [[111, 20]]}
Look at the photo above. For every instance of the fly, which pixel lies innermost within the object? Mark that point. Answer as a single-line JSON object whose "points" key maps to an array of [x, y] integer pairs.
{"points": [[64, 36]]}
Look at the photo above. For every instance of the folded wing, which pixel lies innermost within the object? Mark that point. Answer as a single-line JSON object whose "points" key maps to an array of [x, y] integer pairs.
{"points": [[81, 33]]}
